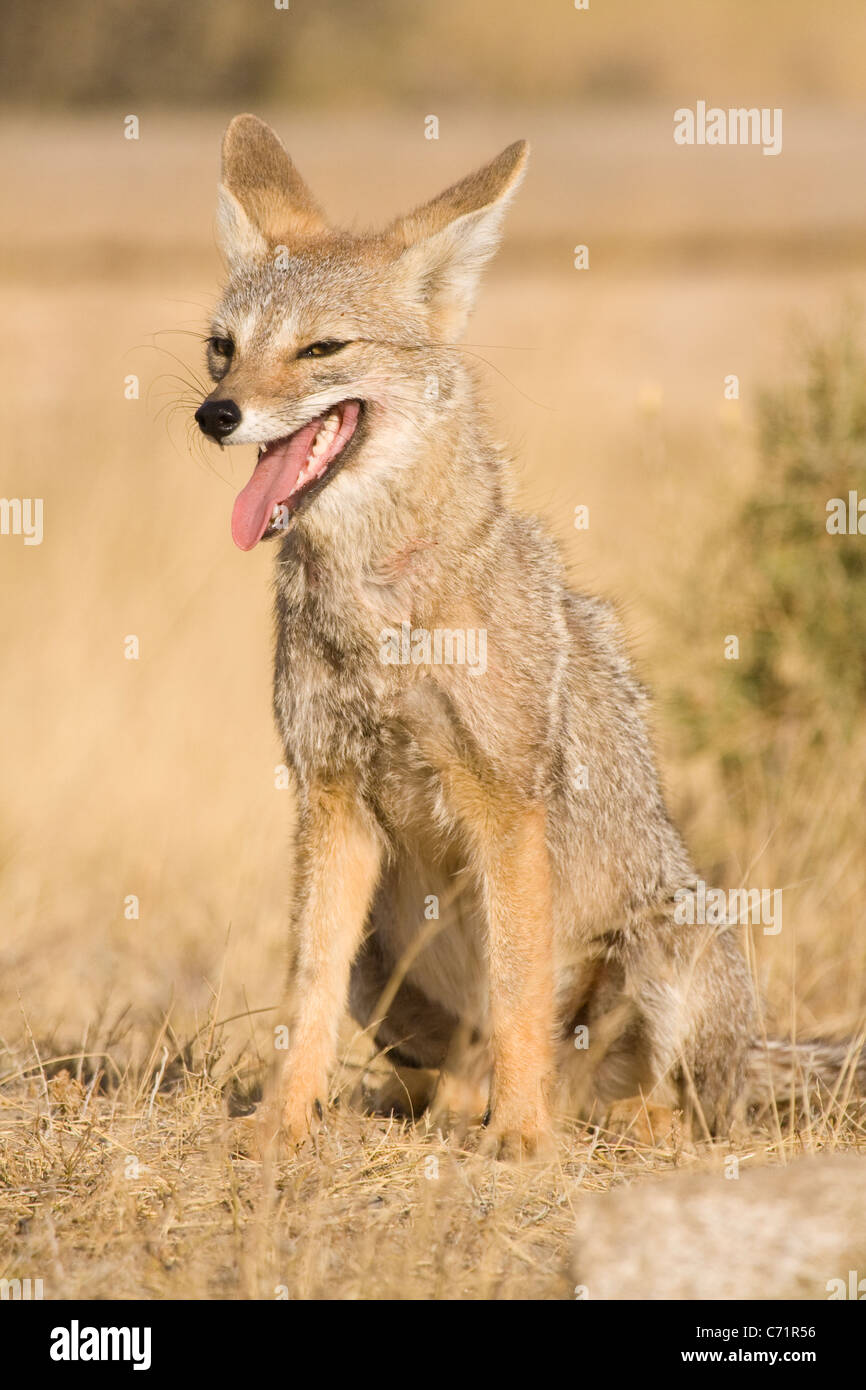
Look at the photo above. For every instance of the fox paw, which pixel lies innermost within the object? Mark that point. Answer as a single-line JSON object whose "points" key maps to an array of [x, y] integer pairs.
{"points": [[523, 1145], [300, 1121], [274, 1132], [520, 1139]]}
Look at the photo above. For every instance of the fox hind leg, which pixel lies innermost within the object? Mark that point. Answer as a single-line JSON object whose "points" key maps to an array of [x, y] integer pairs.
{"points": [[668, 1016]]}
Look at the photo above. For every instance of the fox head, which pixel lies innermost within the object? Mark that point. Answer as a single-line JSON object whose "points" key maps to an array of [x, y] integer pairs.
{"points": [[335, 353]]}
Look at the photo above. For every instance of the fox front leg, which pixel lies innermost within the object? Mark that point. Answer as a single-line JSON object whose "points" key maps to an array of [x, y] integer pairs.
{"points": [[513, 857], [506, 833], [338, 859]]}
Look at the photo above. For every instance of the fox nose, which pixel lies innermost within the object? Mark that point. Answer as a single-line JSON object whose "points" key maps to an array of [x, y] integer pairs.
{"points": [[218, 418]]}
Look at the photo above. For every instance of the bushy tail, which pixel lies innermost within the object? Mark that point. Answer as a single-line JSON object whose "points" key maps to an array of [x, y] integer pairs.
{"points": [[805, 1074]]}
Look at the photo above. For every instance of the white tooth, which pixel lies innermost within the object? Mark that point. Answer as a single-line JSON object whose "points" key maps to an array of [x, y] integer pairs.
{"points": [[322, 442]]}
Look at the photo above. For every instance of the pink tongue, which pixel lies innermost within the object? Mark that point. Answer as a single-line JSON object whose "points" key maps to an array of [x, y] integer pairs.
{"points": [[274, 476]]}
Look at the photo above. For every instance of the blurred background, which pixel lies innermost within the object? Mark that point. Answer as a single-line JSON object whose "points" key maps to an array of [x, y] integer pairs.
{"points": [[154, 779]]}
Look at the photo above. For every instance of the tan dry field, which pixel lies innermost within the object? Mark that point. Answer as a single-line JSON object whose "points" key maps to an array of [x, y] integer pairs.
{"points": [[155, 777]]}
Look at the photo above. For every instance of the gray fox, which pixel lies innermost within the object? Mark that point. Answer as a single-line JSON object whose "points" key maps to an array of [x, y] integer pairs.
{"points": [[484, 863]]}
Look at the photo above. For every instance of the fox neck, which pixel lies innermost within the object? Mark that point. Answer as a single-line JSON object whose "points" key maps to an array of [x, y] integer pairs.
{"points": [[402, 525]]}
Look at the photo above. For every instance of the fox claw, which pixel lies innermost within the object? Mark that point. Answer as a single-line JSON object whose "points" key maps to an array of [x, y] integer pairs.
{"points": [[299, 1123], [521, 1146]]}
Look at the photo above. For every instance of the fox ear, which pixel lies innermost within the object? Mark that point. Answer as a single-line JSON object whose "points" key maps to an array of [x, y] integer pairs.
{"points": [[263, 200], [447, 241]]}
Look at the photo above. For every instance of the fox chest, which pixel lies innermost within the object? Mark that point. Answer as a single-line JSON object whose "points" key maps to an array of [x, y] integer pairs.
{"points": [[342, 713], [327, 705]]}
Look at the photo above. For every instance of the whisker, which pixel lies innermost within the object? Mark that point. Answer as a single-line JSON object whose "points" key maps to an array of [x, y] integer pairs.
{"points": [[460, 347], [492, 365], [191, 377], [187, 332]]}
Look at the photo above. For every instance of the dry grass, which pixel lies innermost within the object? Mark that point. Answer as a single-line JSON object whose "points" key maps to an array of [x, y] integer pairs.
{"points": [[155, 777], [131, 1185]]}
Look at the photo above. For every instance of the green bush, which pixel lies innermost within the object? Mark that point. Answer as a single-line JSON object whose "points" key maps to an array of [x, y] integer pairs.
{"points": [[794, 593]]}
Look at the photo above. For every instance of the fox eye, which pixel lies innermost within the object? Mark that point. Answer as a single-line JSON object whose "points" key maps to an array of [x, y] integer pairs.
{"points": [[325, 348], [223, 347]]}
